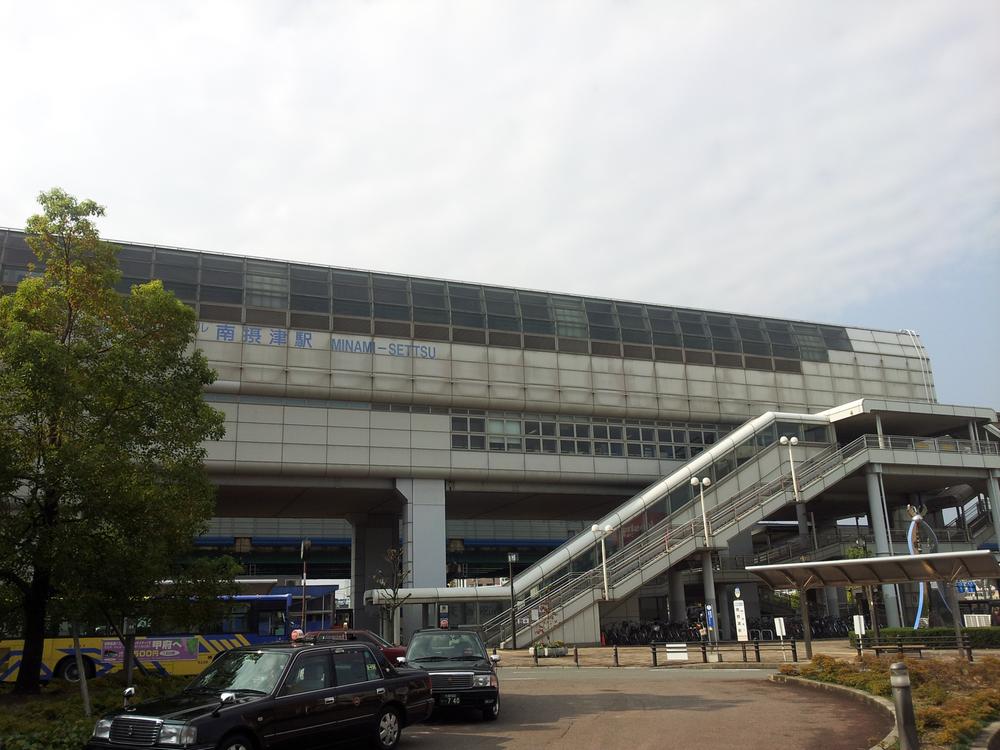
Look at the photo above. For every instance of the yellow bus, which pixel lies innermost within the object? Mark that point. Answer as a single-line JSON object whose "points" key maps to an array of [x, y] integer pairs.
{"points": [[252, 618]]}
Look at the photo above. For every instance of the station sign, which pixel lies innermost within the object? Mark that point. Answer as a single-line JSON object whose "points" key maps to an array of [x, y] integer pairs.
{"points": [[740, 618]]}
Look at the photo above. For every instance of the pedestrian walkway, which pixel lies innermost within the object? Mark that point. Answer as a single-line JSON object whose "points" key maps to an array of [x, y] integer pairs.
{"points": [[772, 656]]}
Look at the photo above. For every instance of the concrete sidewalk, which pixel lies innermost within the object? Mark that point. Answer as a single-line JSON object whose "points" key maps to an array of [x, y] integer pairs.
{"points": [[772, 656]]}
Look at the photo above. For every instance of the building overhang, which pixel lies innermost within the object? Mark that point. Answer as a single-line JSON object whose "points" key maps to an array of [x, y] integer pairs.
{"points": [[914, 418], [432, 595], [873, 571]]}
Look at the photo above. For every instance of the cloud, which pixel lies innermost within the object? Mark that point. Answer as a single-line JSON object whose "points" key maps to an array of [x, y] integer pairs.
{"points": [[782, 158]]}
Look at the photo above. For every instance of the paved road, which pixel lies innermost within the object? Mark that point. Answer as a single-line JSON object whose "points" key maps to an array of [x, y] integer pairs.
{"points": [[645, 708]]}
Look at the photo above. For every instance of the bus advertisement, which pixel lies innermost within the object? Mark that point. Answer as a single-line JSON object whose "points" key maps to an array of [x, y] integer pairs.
{"points": [[252, 619]]}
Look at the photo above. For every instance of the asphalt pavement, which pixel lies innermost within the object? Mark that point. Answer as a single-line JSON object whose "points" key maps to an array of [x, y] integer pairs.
{"points": [[637, 708]]}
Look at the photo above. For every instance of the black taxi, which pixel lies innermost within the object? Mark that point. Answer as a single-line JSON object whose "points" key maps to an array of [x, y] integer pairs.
{"points": [[279, 696], [462, 673]]}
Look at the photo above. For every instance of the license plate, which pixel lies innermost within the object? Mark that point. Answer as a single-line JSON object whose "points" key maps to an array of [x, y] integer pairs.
{"points": [[450, 700]]}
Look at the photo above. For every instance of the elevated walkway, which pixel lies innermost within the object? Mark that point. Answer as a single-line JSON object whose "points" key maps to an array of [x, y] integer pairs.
{"points": [[569, 606], [560, 596]]}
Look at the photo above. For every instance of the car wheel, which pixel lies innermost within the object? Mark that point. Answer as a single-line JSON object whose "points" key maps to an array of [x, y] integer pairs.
{"points": [[236, 742], [492, 712], [66, 670], [387, 729]]}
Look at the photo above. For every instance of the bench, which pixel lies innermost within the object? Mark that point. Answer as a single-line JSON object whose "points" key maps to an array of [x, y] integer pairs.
{"points": [[899, 648]]}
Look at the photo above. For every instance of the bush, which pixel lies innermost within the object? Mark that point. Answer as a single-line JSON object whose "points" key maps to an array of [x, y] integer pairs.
{"points": [[952, 698], [54, 719]]}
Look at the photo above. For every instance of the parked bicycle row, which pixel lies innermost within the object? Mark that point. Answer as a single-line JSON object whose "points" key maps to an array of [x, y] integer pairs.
{"points": [[641, 633]]}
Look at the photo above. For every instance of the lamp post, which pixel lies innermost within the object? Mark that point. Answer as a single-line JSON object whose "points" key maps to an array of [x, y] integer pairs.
{"points": [[603, 532], [511, 559], [785, 440], [800, 508], [304, 554], [701, 484]]}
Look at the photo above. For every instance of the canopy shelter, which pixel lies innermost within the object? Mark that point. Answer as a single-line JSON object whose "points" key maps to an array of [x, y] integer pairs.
{"points": [[872, 571], [943, 567]]}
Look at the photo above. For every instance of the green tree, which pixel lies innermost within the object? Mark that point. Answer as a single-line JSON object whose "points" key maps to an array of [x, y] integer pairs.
{"points": [[102, 420]]}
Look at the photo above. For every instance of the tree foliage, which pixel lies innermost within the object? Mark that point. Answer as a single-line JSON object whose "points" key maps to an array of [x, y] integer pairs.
{"points": [[102, 420]]}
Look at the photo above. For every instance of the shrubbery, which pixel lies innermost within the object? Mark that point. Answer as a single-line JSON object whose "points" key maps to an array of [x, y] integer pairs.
{"points": [[54, 720], [952, 698]]}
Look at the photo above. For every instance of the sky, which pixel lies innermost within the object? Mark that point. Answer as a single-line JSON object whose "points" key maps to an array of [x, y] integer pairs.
{"points": [[832, 162]]}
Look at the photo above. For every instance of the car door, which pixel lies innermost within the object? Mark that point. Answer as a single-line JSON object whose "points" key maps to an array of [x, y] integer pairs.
{"points": [[305, 704], [360, 689]]}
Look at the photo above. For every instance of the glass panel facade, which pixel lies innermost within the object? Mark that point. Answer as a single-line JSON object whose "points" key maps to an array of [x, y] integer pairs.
{"points": [[467, 311]]}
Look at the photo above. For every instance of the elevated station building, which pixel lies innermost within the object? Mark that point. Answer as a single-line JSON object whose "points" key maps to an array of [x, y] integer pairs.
{"points": [[466, 421]]}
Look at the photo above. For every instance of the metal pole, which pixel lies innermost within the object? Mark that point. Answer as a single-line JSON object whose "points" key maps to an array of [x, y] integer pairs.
{"points": [[906, 722], [604, 568], [513, 614], [304, 554], [806, 627], [702, 484], [957, 616], [304, 578], [791, 461]]}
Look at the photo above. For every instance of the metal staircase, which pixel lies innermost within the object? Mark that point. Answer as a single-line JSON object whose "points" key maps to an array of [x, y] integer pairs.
{"points": [[560, 598]]}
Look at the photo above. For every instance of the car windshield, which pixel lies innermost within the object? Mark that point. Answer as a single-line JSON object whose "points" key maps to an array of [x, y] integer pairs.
{"points": [[250, 671], [438, 646]]}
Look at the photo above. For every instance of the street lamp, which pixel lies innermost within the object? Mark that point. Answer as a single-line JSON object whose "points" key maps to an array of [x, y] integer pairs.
{"points": [[511, 559], [701, 484], [607, 529], [304, 554], [790, 442]]}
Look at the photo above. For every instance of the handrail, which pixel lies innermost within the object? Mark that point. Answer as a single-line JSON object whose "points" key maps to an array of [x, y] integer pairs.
{"points": [[664, 537], [622, 515], [672, 534]]}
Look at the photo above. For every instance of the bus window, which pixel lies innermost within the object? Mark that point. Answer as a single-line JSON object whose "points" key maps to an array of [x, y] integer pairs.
{"points": [[236, 619], [270, 623]]}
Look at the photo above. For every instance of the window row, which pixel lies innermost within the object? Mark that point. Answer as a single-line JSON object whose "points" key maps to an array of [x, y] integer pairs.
{"points": [[227, 280], [581, 436]]}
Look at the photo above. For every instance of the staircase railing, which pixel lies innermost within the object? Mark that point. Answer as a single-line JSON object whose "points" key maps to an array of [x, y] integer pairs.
{"points": [[666, 536]]}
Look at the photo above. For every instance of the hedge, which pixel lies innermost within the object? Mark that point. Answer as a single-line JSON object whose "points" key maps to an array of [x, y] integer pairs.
{"points": [[54, 719], [978, 637]]}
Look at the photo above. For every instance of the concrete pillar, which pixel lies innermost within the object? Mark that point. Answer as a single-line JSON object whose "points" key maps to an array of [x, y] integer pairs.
{"points": [[725, 616], [425, 542], [708, 581], [876, 521], [372, 536], [832, 601], [424, 533], [993, 491], [675, 589], [750, 594]]}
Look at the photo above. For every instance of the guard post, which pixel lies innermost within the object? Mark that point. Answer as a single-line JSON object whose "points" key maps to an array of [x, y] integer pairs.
{"points": [[902, 697]]}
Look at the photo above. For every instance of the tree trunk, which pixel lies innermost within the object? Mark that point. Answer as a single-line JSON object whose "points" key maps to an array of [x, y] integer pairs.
{"points": [[35, 606], [81, 670]]}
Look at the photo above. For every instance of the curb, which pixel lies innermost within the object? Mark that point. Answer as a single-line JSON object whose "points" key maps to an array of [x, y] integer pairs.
{"points": [[882, 703], [987, 738]]}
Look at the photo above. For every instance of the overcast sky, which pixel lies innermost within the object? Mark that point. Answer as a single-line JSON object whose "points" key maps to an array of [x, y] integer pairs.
{"points": [[830, 161]]}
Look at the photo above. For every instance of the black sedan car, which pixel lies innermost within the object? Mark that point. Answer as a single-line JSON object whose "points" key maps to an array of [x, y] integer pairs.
{"points": [[281, 696], [462, 673]]}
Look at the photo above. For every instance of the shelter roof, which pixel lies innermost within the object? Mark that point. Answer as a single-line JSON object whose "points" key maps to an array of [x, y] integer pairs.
{"points": [[871, 571]]}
